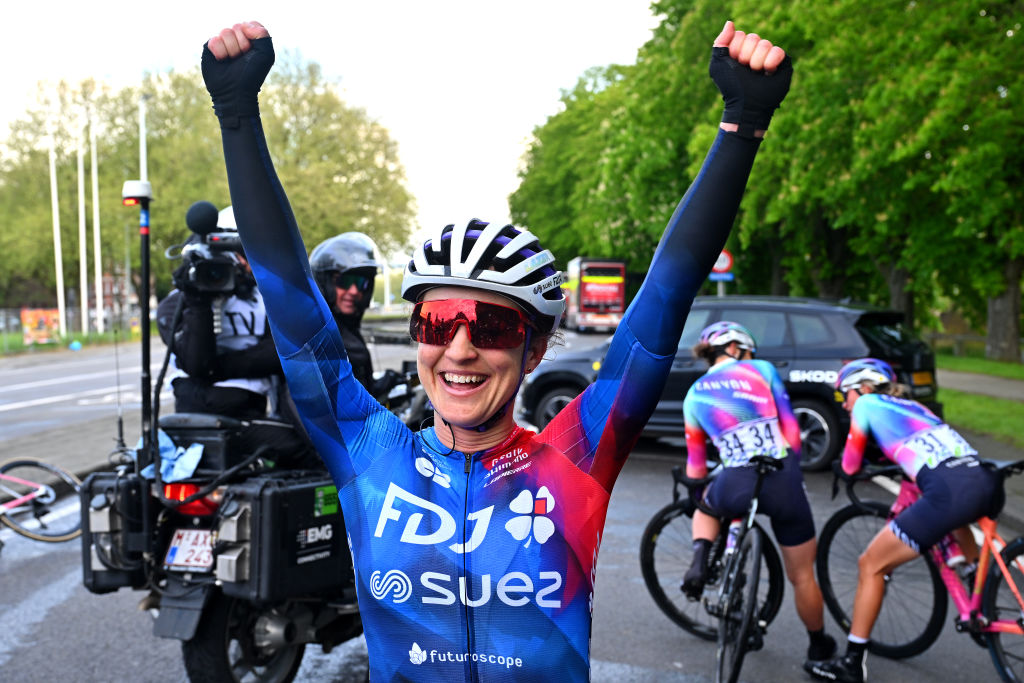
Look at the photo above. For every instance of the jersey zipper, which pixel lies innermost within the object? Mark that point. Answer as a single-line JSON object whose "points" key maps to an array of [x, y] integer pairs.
{"points": [[465, 573]]}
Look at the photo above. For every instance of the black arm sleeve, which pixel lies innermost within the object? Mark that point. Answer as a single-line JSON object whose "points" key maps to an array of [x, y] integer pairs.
{"points": [[259, 360], [193, 341]]}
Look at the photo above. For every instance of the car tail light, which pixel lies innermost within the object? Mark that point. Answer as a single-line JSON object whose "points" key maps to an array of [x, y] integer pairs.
{"points": [[201, 507], [922, 377]]}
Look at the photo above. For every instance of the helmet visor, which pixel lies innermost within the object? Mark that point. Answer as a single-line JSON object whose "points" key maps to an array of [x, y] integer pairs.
{"points": [[490, 326]]}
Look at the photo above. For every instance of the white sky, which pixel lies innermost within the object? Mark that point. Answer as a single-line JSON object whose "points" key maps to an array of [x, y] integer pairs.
{"points": [[459, 84]]}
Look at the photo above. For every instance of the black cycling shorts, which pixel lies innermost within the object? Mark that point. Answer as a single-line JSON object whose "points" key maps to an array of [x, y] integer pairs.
{"points": [[956, 492], [783, 499]]}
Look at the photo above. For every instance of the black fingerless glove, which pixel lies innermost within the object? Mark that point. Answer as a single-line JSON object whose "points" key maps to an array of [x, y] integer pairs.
{"points": [[234, 84], [751, 97]]}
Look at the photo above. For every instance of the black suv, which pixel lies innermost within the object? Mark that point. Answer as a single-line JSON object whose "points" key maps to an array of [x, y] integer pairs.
{"points": [[807, 340]]}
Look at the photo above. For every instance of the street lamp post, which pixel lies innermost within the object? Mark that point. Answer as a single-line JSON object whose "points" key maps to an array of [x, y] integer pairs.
{"points": [[139, 193]]}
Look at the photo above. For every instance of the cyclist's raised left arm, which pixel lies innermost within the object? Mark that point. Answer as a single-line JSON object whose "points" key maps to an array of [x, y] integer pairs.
{"points": [[753, 83]]}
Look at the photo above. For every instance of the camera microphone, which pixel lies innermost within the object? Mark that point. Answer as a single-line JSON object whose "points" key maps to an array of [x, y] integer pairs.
{"points": [[201, 218]]}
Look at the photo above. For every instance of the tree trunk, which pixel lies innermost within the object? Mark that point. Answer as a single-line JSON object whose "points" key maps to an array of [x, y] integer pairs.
{"points": [[900, 297], [1003, 342], [779, 286], [830, 277]]}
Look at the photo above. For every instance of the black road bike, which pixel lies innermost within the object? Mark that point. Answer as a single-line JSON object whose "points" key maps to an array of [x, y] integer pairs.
{"points": [[744, 587]]}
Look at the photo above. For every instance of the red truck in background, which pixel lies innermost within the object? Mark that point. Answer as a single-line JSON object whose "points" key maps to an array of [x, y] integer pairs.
{"points": [[595, 291]]}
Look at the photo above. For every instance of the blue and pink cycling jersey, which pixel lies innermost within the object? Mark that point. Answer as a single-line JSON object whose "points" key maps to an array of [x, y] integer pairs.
{"points": [[477, 566], [743, 407], [907, 433]]}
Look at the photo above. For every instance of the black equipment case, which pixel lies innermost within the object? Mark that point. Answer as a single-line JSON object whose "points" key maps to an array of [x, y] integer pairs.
{"points": [[282, 535]]}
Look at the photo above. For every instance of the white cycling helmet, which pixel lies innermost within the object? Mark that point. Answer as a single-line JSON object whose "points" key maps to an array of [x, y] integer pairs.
{"points": [[501, 259], [725, 332], [875, 372]]}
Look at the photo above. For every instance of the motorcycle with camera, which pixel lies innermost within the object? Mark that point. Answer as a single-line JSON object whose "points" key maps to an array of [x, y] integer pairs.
{"points": [[231, 527]]}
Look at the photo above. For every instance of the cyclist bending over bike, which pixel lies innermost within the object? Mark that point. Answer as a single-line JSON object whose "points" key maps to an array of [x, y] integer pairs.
{"points": [[742, 405], [475, 541], [955, 491]]}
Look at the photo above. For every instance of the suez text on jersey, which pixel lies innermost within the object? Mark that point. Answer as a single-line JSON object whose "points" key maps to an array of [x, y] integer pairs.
{"points": [[513, 589]]}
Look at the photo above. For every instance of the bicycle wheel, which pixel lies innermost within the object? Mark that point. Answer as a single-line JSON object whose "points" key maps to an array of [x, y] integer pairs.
{"points": [[46, 511], [915, 601], [736, 623], [666, 552], [999, 603]]}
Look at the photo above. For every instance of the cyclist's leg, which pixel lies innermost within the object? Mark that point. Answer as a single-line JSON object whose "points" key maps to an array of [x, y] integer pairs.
{"points": [[727, 496], [784, 499], [885, 552], [799, 563], [705, 529]]}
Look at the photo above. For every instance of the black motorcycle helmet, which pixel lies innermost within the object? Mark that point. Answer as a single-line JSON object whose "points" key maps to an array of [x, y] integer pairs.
{"points": [[348, 253]]}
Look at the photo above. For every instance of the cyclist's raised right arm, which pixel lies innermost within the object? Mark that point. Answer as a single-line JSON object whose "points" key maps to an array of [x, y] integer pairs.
{"points": [[337, 412]]}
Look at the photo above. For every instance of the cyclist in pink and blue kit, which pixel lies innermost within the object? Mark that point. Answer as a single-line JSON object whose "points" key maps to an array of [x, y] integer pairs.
{"points": [[475, 541], [741, 405], [955, 491]]}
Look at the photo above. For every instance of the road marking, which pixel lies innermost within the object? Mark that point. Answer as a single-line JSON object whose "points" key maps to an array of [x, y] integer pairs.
{"points": [[20, 619], [60, 398], [65, 380]]}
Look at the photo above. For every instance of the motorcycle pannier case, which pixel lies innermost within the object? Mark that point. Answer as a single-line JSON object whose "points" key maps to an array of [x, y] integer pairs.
{"points": [[282, 535], [114, 509]]}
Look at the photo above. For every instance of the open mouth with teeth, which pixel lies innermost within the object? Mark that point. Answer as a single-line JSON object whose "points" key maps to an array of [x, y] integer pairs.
{"points": [[453, 379]]}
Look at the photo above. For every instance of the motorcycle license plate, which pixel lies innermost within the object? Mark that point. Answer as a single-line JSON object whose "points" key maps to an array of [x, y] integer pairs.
{"points": [[190, 550]]}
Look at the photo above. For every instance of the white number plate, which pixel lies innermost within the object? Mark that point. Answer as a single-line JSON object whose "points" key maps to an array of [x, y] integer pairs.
{"points": [[756, 437], [190, 550], [937, 444]]}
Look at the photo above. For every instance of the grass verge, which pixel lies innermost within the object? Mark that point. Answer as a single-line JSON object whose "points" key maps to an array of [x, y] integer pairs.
{"points": [[996, 417], [982, 366]]}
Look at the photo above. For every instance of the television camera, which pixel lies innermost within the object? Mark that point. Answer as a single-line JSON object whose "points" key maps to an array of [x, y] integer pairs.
{"points": [[212, 257]]}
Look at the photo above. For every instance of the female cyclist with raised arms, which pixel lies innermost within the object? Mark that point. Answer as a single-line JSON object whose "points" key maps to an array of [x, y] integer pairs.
{"points": [[955, 491], [741, 404], [475, 541]]}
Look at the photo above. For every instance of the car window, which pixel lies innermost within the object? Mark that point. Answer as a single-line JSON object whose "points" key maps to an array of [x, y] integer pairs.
{"points": [[809, 330], [887, 333], [768, 327], [695, 323]]}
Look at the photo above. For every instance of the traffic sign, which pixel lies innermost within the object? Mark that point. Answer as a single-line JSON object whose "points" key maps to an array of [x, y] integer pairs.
{"points": [[721, 277], [724, 262]]}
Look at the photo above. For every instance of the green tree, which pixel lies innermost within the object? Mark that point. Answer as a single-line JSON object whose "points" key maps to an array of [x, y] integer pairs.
{"points": [[341, 169], [892, 174]]}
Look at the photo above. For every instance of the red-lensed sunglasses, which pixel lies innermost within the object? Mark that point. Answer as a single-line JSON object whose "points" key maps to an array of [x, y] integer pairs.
{"points": [[490, 326]]}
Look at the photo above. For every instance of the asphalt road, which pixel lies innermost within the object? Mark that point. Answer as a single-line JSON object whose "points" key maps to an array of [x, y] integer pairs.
{"points": [[64, 407], [53, 629]]}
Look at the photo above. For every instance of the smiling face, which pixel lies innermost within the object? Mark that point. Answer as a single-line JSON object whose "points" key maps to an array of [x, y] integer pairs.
{"points": [[348, 301], [466, 384]]}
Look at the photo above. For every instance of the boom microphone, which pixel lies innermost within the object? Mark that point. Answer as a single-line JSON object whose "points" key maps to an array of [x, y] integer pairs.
{"points": [[201, 218]]}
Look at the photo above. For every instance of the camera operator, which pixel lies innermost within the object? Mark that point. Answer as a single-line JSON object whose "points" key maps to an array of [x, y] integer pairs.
{"points": [[224, 359], [344, 267]]}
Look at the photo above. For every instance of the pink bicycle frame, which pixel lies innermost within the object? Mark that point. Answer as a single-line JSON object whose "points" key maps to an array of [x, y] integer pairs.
{"points": [[24, 499], [969, 605]]}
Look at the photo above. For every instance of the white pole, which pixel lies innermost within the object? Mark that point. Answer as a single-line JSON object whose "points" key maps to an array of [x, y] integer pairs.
{"points": [[97, 261], [143, 174], [57, 256], [83, 259]]}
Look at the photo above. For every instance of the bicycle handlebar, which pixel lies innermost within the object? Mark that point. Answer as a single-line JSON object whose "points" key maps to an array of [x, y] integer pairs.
{"points": [[851, 480]]}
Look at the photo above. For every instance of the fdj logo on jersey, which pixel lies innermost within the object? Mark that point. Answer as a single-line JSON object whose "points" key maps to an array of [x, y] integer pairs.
{"points": [[430, 524]]}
